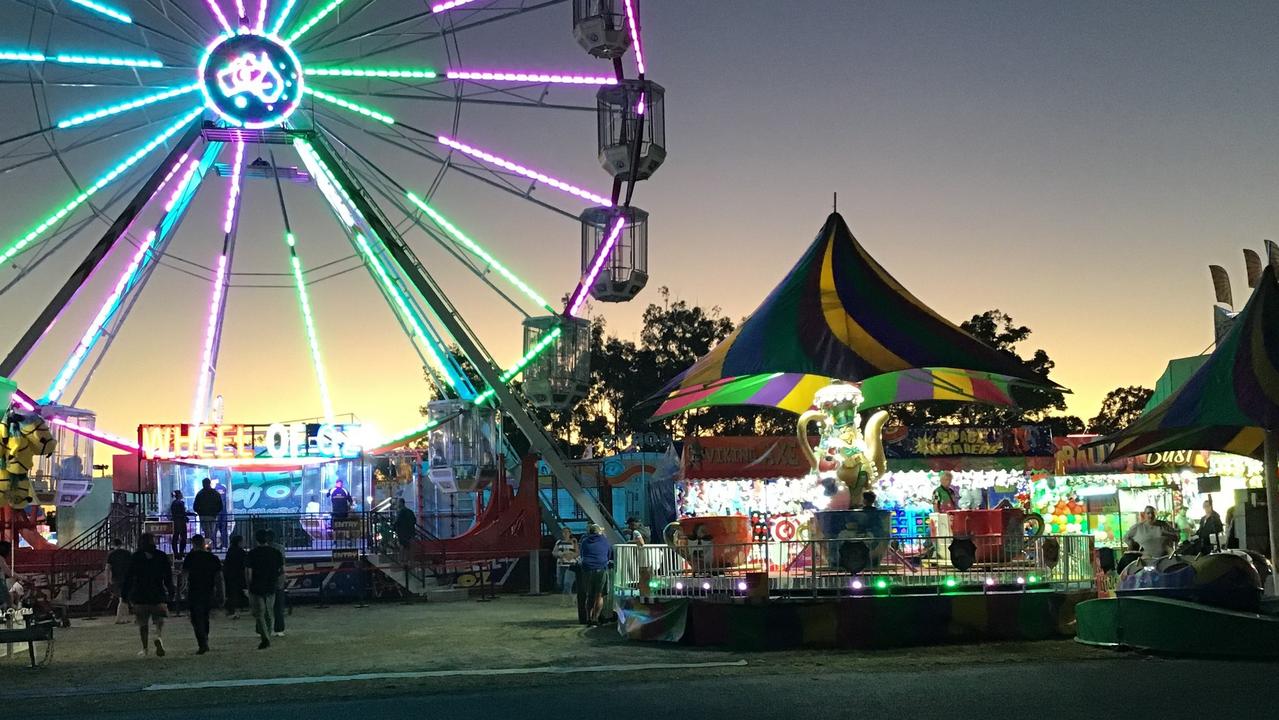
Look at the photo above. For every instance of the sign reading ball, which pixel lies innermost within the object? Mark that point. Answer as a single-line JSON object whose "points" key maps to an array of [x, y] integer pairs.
{"points": [[251, 80]]}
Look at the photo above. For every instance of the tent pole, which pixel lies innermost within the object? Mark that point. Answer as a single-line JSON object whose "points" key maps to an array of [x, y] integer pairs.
{"points": [[1270, 471]]}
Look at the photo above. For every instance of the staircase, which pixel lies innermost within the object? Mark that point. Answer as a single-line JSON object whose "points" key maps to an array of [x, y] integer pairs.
{"points": [[417, 580]]}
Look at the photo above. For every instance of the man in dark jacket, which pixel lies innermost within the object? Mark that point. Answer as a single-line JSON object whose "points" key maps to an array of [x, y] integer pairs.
{"points": [[405, 530], [204, 580], [208, 505], [149, 587], [594, 554]]}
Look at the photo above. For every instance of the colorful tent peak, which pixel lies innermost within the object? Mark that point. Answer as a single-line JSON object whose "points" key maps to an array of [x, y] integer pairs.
{"points": [[838, 314]]}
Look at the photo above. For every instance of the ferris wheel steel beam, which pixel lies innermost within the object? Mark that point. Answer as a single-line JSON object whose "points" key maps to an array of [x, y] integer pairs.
{"points": [[456, 327], [147, 256], [449, 246], [45, 320], [221, 284], [474, 175], [456, 29], [403, 304]]}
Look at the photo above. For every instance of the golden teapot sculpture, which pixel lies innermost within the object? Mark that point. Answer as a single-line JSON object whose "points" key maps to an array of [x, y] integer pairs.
{"points": [[844, 452]]}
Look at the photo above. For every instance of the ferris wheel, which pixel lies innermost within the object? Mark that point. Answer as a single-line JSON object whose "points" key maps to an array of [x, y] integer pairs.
{"points": [[134, 105]]}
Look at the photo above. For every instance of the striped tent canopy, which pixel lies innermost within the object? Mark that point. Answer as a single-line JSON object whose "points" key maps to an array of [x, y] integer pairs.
{"points": [[794, 392], [838, 314], [1230, 401]]}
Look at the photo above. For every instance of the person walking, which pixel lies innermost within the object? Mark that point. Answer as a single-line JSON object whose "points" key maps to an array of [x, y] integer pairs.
{"points": [[565, 554], [264, 565], [595, 551], [117, 568], [208, 506], [281, 588], [178, 515], [203, 571], [405, 530], [234, 573], [149, 587]]}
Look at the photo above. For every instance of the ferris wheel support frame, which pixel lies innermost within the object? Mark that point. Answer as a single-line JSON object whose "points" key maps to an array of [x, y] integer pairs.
{"points": [[462, 335], [21, 349]]}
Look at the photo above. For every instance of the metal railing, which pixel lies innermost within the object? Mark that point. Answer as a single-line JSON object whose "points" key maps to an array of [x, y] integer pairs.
{"points": [[854, 566]]}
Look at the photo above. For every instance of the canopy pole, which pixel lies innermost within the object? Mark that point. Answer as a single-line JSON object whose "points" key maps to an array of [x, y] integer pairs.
{"points": [[1270, 470]]}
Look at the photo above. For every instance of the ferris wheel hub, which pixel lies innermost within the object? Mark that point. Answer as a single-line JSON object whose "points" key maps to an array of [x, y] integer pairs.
{"points": [[252, 80]]}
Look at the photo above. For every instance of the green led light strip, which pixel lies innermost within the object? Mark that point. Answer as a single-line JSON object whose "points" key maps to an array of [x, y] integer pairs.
{"points": [[475, 248], [530, 356], [311, 336], [385, 278], [348, 105]]}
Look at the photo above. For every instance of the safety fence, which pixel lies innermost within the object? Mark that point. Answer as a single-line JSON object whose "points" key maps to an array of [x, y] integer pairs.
{"points": [[854, 566]]}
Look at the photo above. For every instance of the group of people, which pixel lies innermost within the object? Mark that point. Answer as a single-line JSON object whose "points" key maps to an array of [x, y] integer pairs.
{"points": [[143, 582], [1157, 538], [210, 507], [583, 566]]}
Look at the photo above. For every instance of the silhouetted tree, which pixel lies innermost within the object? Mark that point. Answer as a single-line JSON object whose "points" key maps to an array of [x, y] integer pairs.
{"points": [[1119, 409]]}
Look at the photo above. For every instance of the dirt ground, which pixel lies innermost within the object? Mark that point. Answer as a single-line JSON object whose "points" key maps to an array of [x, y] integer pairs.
{"points": [[95, 663]]}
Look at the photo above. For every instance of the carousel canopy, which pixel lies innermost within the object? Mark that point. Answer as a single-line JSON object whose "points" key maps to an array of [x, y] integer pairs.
{"points": [[1232, 398], [839, 315]]}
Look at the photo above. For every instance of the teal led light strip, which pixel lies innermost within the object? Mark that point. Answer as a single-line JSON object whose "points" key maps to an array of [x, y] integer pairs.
{"points": [[17, 246], [70, 59], [405, 310], [547, 340], [118, 108], [475, 248], [104, 9]]}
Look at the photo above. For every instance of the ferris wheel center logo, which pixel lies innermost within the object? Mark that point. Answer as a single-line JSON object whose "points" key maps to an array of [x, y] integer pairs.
{"points": [[251, 80]]}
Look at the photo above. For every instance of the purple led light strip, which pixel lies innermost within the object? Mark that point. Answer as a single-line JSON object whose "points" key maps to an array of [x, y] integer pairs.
{"points": [[186, 178], [635, 34], [239, 9], [261, 15], [601, 257], [210, 330], [533, 77], [217, 13], [233, 195], [521, 170], [441, 7]]}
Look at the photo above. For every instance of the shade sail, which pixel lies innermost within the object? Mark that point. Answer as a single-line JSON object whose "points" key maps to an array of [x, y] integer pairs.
{"points": [[838, 314], [1230, 400]]}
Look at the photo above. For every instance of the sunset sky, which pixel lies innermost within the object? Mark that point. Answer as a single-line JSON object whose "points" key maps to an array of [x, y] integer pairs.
{"points": [[1077, 165]]}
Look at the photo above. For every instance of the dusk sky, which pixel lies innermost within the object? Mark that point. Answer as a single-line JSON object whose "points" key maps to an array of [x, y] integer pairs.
{"points": [[1075, 164]]}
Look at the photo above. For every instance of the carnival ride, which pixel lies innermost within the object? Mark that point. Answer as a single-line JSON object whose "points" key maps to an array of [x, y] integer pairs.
{"points": [[276, 79]]}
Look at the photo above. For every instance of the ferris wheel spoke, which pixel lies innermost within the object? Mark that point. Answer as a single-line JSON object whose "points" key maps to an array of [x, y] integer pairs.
{"points": [[128, 105], [80, 58], [423, 92], [452, 30], [105, 10], [21, 243], [313, 20], [315, 47], [346, 18], [348, 105], [163, 7], [149, 250], [282, 16], [486, 175], [519, 169], [39, 7]]}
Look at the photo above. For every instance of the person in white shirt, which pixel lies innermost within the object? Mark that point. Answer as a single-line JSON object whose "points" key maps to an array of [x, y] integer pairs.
{"points": [[565, 554], [1153, 537]]}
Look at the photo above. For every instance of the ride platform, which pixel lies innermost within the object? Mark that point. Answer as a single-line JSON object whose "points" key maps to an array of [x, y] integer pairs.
{"points": [[1163, 625]]}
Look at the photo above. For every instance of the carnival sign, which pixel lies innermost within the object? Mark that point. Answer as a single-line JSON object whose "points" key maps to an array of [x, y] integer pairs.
{"points": [[915, 442], [744, 457], [277, 441]]}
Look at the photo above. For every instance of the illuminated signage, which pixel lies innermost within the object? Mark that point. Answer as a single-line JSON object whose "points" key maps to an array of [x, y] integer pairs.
{"points": [[250, 79], [275, 442]]}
